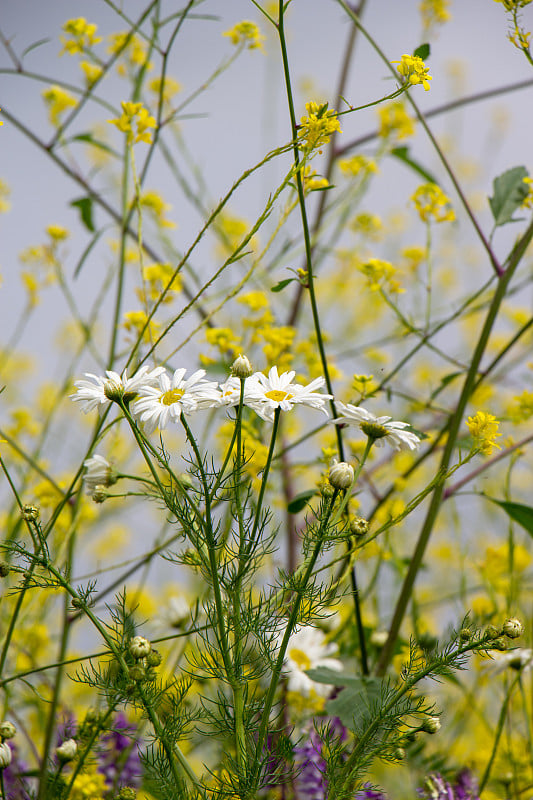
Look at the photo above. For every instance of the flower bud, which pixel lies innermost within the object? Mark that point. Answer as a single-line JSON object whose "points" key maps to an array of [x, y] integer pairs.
{"points": [[341, 475], [139, 647], [431, 725], [7, 730], [512, 628], [5, 755], [241, 367], [137, 673], [127, 793], [154, 658], [499, 644], [465, 635], [4, 569], [358, 526], [30, 513], [99, 494], [67, 751], [493, 632], [113, 391]]}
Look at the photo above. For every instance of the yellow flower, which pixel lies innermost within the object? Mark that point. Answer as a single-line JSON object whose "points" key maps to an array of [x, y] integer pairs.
{"points": [[132, 49], [527, 202], [415, 256], [255, 301], [222, 338], [89, 786], [83, 33], [5, 191], [395, 121], [434, 12], [311, 181], [484, 431], [155, 203], [431, 202], [57, 100], [92, 72], [171, 87], [368, 225], [520, 38], [246, 32], [316, 129], [358, 164], [57, 233], [381, 274], [511, 5], [414, 71], [135, 121], [156, 278], [522, 407], [135, 321]]}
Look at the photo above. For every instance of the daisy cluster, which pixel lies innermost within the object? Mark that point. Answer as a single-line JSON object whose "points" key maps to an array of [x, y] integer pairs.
{"points": [[156, 398]]}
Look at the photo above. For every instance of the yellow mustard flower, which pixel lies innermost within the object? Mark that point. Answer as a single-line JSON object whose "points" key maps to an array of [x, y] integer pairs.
{"points": [[434, 12], [132, 49], [357, 165], [431, 203], [57, 101], [89, 786], [368, 225], [316, 129], [157, 277], [31, 284], [135, 321], [521, 408], [512, 5], [91, 72], [171, 87], [135, 122], [312, 181], [57, 233], [414, 71], [414, 256], [256, 301], [246, 33], [381, 274], [153, 202], [394, 121], [223, 339], [83, 35], [483, 429], [5, 191]]}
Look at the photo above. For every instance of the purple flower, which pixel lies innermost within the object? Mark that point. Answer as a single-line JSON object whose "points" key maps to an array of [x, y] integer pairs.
{"points": [[311, 781], [14, 783], [119, 758], [437, 788]]}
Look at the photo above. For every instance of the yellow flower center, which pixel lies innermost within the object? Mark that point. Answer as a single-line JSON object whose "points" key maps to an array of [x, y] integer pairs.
{"points": [[373, 430], [277, 395], [300, 658], [172, 396]]}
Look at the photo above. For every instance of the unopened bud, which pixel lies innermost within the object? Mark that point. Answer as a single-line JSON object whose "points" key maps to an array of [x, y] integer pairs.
{"points": [[5, 755], [67, 751], [399, 754], [241, 367], [499, 644], [358, 526], [431, 725], [154, 658], [512, 628], [4, 569], [7, 730], [30, 513], [139, 647], [137, 673], [493, 632], [341, 475], [99, 494], [113, 391], [127, 793], [465, 634]]}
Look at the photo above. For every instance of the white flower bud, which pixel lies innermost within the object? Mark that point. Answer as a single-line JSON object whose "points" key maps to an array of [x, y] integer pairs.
{"points": [[7, 730], [341, 475], [67, 751], [241, 367], [512, 628], [431, 725], [139, 647], [5, 755]]}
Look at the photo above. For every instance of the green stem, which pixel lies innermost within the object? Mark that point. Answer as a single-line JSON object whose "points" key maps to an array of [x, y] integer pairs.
{"points": [[305, 225], [264, 477], [497, 736], [453, 430]]}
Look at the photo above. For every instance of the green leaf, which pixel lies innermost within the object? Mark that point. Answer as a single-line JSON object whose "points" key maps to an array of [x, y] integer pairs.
{"points": [[402, 154], [85, 205], [423, 51], [517, 511], [451, 376], [34, 46], [509, 193], [89, 138], [352, 704], [299, 502], [282, 284]]}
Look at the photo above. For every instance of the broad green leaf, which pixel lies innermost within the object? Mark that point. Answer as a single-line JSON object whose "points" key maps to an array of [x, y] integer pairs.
{"points": [[352, 704], [509, 193], [85, 205], [519, 512], [282, 284], [402, 154], [300, 501], [334, 677], [423, 51]]}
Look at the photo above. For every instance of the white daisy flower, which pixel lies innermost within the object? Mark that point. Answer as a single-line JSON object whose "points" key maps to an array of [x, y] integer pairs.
{"points": [[308, 649], [380, 429], [99, 472], [164, 402], [265, 394], [519, 659], [174, 614], [230, 391], [99, 391]]}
